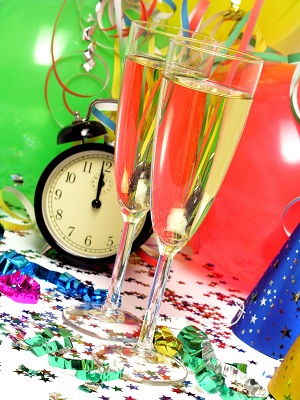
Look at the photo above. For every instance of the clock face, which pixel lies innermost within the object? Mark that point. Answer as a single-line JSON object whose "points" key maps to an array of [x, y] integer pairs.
{"points": [[76, 203]]}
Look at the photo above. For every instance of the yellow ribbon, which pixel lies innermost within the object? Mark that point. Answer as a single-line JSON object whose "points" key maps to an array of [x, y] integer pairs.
{"points": [[27, 223], [165, 342]]}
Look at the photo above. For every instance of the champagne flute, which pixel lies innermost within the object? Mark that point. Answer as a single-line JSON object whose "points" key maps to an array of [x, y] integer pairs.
{"points": [[144, 62], [205, 98]]}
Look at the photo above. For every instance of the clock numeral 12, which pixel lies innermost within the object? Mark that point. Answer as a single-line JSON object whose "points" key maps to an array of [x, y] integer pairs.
{"points": [[108, 166]]}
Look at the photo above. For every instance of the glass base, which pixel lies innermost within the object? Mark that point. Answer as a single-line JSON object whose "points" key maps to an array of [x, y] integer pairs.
{"points": [[91, 319], [149, 367]]}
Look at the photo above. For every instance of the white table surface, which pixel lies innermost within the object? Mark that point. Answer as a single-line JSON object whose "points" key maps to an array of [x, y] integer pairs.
{"points": [[197, 294]]}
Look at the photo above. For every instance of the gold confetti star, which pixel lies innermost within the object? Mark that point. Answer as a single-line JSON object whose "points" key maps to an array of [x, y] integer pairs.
{"points": [[289, 382], [296, 297]]}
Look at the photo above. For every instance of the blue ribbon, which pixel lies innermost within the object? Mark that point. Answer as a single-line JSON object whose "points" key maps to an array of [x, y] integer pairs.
{"points": [[67, 284]]}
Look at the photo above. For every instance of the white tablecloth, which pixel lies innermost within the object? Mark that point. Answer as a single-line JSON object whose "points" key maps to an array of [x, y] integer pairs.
{"points": [[201, 295]]}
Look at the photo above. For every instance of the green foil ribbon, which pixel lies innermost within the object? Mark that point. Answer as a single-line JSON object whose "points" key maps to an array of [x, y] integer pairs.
{"points": [[214, 376], [88, 370], [105, 373], [85, 369], [70, 363], [42, 343]]}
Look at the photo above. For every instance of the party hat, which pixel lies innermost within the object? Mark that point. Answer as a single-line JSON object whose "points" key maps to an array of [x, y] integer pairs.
{"points": [[285, 383], [270, 319]]}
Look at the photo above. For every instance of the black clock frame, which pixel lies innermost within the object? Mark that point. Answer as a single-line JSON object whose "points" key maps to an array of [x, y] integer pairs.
{"points": [[144, 234]]}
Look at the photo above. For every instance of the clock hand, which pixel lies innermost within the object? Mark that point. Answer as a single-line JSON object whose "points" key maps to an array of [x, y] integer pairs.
{"points": [[96, 203]]}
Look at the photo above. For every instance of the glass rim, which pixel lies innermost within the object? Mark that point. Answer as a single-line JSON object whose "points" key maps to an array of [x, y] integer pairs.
{"points": [[142, 23], [238, 54]]}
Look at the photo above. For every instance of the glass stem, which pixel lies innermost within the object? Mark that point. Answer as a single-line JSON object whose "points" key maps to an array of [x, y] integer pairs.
{"points": [[145, 342], [114, 292]]}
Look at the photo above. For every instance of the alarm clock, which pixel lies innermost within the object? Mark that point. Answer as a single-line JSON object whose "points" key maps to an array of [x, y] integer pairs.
{"points": [[75, 201]]}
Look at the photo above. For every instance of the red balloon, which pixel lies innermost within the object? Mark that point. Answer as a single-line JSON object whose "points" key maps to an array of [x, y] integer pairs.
{"points": [[243, 231]]}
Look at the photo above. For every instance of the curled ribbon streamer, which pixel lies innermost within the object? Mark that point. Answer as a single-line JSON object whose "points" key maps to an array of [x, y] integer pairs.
{"points": [[115, 15], [64, 87], [165, 342], [193, 21], [27, 223], [89, 64], [164, 10], [52, 53], [93, 76], [117, 74], [106, 372], [213, 375], [104, 119], [152, 8], [288, 233], [213, 19], [251, 18], [118, 14], [250, 25], [20, 288], [57, 349], [197, 14], [100, 14], [87, 369], [237, 30], [69, 363], [67, 284], [295, 86], [184, 17]]}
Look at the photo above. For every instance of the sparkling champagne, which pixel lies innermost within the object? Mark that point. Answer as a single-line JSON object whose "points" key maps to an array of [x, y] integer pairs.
{"points": [[198, 129], [136, 121]]}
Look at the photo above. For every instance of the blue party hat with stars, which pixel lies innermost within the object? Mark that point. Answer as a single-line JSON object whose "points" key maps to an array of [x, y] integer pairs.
{"points": [[270, 319]]}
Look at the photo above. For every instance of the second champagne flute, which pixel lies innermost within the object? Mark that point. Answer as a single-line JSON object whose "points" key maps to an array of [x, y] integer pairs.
{"points": [[205, 98], [144, 62]]}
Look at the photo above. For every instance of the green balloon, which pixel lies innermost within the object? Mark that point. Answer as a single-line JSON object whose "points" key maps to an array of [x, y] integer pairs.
{"points": [[35, 103]]}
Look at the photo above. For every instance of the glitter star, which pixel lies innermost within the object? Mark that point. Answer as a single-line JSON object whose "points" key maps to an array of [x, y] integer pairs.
{"points": [[286, 332], [177, 390], [296, 297], [263, 301], [18, 371], [131, 387], [289, 382], [117, 389]]}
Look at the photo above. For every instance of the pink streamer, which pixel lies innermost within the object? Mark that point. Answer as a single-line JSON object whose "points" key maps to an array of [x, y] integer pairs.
{"points": [[250, 25], [20, 288]]}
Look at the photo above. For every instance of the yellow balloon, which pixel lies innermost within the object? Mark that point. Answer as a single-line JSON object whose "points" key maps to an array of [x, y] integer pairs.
{"points": [[280, 25], [278, 21]]}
